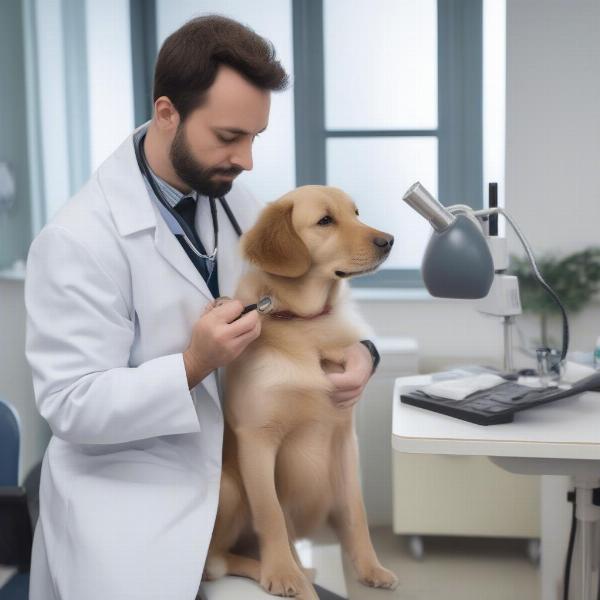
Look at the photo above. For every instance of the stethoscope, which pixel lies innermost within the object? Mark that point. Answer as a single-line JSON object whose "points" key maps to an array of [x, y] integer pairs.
{"points": [[186, 232], [264, 304]]}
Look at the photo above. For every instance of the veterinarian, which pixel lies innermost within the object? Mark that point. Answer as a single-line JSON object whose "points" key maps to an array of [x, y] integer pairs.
{"points": [[124, 354]]}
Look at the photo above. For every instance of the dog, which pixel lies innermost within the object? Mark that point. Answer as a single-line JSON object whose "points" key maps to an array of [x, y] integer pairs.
{"points": [[290, 458]]}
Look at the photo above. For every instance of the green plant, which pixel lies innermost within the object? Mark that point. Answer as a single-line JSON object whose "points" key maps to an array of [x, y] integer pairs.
{"points": [[575, 279]]}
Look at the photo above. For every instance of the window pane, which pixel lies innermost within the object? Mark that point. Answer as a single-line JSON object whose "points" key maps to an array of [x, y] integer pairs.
{"points": [[376, 172], [380, 64], [53, 117], [109, 69]]}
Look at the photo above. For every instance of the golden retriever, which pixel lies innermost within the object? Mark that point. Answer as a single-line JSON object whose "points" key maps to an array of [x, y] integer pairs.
{"points": [[290, 459]]}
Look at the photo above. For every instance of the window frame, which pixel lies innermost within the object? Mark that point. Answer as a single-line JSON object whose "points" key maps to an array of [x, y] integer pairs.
{"points": [[460, 104], [144, 51], [460, 112]]}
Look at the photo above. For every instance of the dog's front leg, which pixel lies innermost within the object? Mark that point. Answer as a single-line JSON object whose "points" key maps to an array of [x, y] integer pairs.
{"points": [[279, 573], [349, 519]]}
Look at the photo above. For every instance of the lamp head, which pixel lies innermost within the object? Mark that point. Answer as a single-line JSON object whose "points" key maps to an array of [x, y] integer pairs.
{"points": [[457, 261], [427, 206]]}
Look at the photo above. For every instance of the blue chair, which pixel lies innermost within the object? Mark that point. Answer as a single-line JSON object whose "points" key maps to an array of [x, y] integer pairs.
{"points": [[15, 521], [17, 588]]}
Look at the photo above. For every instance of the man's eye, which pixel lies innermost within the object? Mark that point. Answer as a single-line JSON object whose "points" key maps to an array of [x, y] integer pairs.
{"points": [[226, 140], [356, 211], [327, 220]]}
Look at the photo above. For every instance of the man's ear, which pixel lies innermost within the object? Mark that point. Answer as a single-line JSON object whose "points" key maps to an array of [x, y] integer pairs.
{"points": [[165, 113], [273, 244]]}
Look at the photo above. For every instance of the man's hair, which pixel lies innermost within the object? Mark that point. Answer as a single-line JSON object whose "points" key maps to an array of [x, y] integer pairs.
{"points": [[190, 57]]}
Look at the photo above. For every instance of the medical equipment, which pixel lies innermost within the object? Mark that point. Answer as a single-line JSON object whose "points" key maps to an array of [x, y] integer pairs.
{"points": [[263, 306], [460, 262], [500, 403]]}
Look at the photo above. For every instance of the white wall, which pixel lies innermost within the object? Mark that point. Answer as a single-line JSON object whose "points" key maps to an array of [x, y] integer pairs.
{"points": [[552, 170], [553, 122]]}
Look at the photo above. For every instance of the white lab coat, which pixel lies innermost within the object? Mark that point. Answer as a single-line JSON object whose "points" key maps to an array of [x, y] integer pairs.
{"points": [[130, 479]]}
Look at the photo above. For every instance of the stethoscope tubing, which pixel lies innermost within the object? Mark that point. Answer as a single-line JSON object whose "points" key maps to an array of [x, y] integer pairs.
{"points": [[142, 163]]}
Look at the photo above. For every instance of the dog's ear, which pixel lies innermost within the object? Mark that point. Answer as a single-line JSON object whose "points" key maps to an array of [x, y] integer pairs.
{"points": [[273, 244]]}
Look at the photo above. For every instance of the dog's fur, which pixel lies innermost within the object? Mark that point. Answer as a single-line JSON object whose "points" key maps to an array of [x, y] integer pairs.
{"points": [[290, 460]]}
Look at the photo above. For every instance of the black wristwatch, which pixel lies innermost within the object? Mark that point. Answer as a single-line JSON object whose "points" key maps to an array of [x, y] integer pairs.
{"points": [[374, 354]]}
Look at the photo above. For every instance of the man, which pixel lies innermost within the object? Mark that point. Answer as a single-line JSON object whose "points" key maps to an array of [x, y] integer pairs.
{"points": [[123, 353]]}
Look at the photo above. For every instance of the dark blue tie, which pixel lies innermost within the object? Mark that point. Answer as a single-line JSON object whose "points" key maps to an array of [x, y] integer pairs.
{"points": [[186, 207]]}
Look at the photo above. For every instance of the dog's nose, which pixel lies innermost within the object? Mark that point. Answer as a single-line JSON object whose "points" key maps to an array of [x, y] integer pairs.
{"points": [[385, 243]]}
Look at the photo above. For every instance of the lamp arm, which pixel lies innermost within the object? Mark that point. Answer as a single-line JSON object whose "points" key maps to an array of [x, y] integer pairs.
{"points": [[538, 276]]}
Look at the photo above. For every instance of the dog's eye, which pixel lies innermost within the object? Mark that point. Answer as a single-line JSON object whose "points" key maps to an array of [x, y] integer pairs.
{"points": [[327, 220]]}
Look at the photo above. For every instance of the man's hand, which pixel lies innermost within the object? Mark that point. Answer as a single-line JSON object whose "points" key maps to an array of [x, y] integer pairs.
{"points": [[218, 339], [350, 384]]}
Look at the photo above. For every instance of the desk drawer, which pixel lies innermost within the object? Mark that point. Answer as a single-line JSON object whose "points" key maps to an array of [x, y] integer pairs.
{"points": [[463, 495]]}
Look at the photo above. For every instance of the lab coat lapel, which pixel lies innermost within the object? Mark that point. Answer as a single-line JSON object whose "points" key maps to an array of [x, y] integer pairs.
{"points": [[171, 250], [134, 210]]}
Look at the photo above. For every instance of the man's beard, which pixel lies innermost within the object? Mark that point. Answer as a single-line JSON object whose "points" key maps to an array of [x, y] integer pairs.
{"points": [[191, 172]]}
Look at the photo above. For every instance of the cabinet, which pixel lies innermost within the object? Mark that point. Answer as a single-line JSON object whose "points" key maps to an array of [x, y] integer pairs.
{"points": [[463, 496], [373, 414]]}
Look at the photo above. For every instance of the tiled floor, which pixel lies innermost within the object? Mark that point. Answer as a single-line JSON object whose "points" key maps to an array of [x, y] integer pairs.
{"points": [[452, 569]]}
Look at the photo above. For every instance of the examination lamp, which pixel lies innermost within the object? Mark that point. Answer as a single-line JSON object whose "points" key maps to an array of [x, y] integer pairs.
{"points": [[461, 262], [457, 261]]}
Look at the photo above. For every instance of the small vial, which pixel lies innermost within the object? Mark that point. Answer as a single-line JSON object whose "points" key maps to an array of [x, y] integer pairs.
{"points": [[543, 364]]}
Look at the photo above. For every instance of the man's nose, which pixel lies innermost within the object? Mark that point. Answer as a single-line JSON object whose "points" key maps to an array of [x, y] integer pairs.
{"points": [[242, 157]]}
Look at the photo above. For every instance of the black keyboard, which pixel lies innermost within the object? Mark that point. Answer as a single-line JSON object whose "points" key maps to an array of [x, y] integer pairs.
{"points": [[499, 404]]}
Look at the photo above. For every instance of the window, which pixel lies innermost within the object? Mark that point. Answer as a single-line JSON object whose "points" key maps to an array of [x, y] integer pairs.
{"points": [[80, 97], [384, 92], [390, 92]]}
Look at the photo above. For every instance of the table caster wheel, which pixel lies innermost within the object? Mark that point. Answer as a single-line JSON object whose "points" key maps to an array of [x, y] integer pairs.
{"points": [[534, 551], [415, 546]]}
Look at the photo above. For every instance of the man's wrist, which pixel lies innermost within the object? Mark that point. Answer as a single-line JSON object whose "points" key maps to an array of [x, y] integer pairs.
{"points": [[370, 346], [194, 372]]}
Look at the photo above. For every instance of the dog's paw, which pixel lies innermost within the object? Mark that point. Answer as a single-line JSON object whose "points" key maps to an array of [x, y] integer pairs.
{"points": [[378, 577], [308, 593], [284, 580]]}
